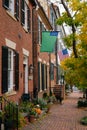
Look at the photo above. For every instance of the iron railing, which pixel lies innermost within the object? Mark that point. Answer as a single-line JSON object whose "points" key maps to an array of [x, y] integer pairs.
{"points": [[9, 115]]}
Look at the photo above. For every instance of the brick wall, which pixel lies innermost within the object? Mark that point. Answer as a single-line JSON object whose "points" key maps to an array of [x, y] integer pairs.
{"points": [[13, 30]]}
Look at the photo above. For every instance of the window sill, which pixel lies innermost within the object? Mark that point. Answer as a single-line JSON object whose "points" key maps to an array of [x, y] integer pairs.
{"points": [[10, 93], [25, 29], [11, 15]]}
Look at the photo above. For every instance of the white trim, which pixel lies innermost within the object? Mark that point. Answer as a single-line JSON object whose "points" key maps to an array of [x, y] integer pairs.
{"points": [[52, 61], [27, 2], [25, 52], [39, 59], [26, 77], [10, 44], [40, 79], [11, 15], [11, 7], [10, 75], [47, 63], [44, 62]]}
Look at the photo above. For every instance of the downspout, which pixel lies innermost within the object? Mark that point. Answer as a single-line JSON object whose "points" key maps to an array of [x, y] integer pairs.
{"points": [[35, 92]]}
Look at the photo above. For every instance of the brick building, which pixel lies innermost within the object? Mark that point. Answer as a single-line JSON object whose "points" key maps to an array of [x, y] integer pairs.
{"points": [[16, 48], [23, 68], [45, 67]]}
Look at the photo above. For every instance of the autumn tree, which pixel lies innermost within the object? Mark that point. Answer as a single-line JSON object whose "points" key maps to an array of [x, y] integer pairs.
{"points": [[75, 16]]}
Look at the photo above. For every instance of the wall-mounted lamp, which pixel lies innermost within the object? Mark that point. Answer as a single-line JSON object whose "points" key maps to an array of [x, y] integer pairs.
{"points": [[31, 69]]}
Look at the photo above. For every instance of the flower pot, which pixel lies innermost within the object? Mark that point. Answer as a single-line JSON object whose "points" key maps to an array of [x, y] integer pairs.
{"points": [[31, 118]]}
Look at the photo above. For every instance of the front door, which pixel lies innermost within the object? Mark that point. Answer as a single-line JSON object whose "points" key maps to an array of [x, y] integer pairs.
{"points": [[25, 74]]}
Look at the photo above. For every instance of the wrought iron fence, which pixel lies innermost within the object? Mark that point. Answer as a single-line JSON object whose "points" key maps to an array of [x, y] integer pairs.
{"points": [[8, 114]]}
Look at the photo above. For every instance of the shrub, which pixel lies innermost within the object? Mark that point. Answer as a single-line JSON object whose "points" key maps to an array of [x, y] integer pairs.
{"points": [[82, 103], [42, 103], [45, 95], [84, 120]]}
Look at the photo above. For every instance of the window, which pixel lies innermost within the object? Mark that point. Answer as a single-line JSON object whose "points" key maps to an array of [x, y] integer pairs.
{"points": [[44, 76], [9, 4], [10, 69], [22, 12], [40, 29], [17, 9], [25, 15], [14, 8], [6, 3]]}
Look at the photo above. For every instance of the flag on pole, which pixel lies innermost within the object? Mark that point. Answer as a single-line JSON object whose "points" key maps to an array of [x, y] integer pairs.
{"points": [[63, 54], [48, 41]]}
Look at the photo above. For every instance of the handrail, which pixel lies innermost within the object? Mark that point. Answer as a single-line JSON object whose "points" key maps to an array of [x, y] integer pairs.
{"points": [[10, 111]]}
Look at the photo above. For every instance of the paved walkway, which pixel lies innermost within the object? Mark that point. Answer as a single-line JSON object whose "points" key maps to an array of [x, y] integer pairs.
{"points": [[62, 117]]}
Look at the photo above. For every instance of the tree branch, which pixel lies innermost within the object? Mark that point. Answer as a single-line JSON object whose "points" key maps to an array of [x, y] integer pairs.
{"points": [[73, 28]]}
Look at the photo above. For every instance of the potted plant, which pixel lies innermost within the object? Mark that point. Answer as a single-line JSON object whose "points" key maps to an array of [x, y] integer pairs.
{"points": [[32, 115]]}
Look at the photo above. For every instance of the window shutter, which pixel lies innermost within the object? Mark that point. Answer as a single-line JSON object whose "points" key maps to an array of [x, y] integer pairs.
{"points": [[17, 9], [42, 76], [52, 71], [28, 19], [46, 76], [4, 69], [6, 4], [38, 76], [22, 12], [16, 71]]}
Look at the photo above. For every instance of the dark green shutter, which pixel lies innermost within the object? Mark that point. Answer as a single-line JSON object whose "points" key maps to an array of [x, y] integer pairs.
{"points": [[16, 71], [28, 18], [38, 76], [17, 9], [4, 69], [22, 12], [46, 76], [52, 71], [42, 76], [6, 4]]}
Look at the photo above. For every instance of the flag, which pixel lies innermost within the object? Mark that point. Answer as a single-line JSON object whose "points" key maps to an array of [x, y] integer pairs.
{"points": [[63, 54], [48, 41], [64, 51]]}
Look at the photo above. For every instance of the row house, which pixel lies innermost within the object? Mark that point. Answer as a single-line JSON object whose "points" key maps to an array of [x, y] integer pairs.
{"points": [[23, 68], [16, 55], [45, 66], [49, 72]]}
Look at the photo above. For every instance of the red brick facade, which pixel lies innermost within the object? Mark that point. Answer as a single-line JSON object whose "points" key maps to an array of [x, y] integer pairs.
{"points": [[12, 30]]}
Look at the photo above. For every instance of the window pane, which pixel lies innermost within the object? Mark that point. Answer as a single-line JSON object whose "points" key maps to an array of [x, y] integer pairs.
{"points": [[17, 9]]}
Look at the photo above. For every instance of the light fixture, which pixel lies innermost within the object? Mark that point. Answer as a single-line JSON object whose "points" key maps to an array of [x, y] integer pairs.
{"points": [[31, 69]]}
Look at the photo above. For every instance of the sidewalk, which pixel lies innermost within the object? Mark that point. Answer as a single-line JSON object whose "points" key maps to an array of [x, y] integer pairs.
{"points": [[62, 117]]}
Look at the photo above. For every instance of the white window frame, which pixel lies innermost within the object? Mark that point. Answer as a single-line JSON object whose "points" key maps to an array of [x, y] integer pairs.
{"points": [[10, 69], [25, 62], [25, 26], [11, 7]]}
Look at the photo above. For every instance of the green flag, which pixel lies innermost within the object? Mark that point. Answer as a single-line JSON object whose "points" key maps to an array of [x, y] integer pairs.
{"points": [[48, 41]]}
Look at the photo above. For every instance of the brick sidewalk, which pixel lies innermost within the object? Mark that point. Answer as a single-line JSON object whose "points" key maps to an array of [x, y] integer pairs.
{"points": [[62, 117]]}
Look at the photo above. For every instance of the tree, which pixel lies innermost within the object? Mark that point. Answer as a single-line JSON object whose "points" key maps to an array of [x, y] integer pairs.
{"points": [[75, 16]]}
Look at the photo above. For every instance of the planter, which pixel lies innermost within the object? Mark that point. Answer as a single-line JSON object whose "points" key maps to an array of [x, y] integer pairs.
{"points": [[32, 118]]}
